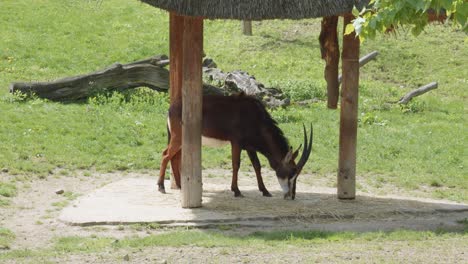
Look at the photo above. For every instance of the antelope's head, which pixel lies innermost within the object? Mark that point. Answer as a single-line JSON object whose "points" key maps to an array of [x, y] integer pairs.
{"points": [[289, 170]]}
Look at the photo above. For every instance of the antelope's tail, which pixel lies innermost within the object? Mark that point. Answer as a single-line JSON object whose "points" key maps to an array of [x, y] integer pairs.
{"points": [[168, 135]]}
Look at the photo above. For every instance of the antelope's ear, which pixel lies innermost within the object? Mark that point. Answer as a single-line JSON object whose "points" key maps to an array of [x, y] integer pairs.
{"points": [[294, 155], [288, 156]]}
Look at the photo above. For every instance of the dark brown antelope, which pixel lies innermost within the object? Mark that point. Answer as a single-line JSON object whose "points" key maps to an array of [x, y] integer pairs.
{"points": [[244, 122]]}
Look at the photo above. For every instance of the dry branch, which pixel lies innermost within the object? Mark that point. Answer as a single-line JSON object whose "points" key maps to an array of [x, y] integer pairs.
{"points": [[417, 92], [363, 61]]}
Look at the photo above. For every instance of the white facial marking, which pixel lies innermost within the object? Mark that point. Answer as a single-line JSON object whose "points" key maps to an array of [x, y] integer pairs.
{"points": [[284, 185]]}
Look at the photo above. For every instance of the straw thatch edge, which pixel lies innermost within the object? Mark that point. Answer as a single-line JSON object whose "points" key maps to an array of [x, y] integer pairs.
{"points": [[258, 9]]}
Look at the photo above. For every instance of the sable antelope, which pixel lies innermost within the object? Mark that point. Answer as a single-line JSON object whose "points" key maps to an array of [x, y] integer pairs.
{"points": [[244, 122]]}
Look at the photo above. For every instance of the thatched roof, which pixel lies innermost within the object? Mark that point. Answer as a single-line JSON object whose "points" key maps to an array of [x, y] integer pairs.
{"points": [[258, 9]]}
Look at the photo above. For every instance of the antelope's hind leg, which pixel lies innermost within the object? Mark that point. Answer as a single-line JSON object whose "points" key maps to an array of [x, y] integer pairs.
{"points": [[175, 165], [162, 171], [172, 153], [168, 155], [236, 152], [257, 167]]}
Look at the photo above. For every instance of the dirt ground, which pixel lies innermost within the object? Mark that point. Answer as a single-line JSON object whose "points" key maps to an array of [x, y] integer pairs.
{"points": [[33, 217]]}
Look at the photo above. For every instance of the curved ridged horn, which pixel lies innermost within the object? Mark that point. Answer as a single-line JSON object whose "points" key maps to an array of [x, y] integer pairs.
{"points": [[306, 151], [304, 157]]}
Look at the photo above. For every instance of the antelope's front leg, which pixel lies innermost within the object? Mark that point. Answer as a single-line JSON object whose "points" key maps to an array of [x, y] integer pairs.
{"points": [[257, 167], [235, 153]]}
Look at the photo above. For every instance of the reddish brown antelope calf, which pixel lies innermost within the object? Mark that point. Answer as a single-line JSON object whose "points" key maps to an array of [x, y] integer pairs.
{"points": [[244, 122]]}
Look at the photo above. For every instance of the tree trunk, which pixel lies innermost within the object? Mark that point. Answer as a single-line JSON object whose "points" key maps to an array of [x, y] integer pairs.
{"points": [[331, 54]]}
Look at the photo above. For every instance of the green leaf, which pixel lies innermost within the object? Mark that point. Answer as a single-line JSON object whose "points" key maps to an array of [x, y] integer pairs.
{"points": [[416, 30], [462, 10], [372, 24], [364, 9], [447, 4], [415, 3], [349, 29], [355, 11]]}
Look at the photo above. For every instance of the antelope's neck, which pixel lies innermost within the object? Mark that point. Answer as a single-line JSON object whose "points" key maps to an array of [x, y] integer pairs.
{"points": [[275, 152]]}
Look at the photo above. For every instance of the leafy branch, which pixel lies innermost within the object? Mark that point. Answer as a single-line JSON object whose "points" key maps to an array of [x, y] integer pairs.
{"points": [[381, 15]]}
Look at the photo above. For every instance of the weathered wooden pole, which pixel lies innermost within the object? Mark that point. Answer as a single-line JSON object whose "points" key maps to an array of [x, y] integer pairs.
{"points": [[247, 27], [176, 30], [348, 115], [330, 51], [192, 112]]}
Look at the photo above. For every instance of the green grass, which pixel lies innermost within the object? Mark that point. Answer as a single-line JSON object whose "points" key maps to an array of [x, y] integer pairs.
{"points": [[272, 239], [260, 241], [6, 238], [421, 145], [4, 202], [7, 189]]}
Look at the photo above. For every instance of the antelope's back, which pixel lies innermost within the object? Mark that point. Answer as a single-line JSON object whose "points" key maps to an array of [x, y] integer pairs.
{"points": [[237, 117]]}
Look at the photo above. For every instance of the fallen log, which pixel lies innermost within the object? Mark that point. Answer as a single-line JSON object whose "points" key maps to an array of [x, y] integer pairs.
{"points": [[149, 73], [417, 92], [118, 77], [363, 61]]}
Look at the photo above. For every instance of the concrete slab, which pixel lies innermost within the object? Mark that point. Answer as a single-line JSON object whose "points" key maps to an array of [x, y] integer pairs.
{"points": [[136, 200]]}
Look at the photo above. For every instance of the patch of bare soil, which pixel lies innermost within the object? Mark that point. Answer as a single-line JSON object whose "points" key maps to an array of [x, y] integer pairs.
{"points": [[33, 217]]}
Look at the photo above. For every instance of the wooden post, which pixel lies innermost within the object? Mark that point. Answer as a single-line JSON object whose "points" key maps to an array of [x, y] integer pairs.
{"points": [[348, 116], [176, 30], [331, 54], [247, 27], [192, 112], [363, 61]]}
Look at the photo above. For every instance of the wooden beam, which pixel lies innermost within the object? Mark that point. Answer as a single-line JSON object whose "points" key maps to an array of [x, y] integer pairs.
{"points": [[176, 30], [192, 112], [331, 54], [247, 27], [348, 115]]}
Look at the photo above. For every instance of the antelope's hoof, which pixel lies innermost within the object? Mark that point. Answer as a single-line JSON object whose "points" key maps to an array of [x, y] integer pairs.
{"points": [[161, 189], [267, 194], [238, 194]]}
